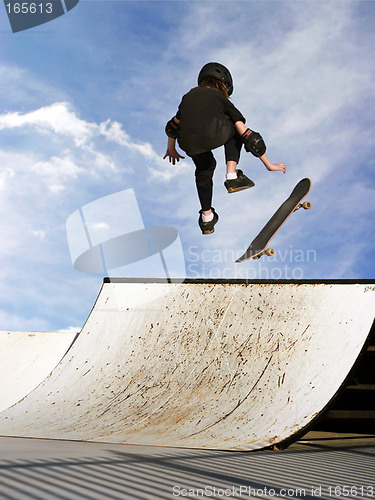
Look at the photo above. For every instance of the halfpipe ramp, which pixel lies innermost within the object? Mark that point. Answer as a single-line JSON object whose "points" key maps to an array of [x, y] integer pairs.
{"points": [[218, 365]]}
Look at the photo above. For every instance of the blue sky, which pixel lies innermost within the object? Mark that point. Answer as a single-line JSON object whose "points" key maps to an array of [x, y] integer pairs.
{"points": [[83, 104]]}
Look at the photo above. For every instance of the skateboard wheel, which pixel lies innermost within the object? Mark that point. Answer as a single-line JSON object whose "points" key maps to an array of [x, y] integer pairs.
{"points": [[257, 256], [306, 205], [270, 252]]}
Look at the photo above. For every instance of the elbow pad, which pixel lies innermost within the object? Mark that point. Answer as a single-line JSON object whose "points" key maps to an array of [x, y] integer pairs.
{"points": [[254, 143], [172, 129]]}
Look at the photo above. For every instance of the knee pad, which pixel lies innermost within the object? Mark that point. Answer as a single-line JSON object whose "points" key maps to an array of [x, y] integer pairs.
{"points": [[207, 170]]}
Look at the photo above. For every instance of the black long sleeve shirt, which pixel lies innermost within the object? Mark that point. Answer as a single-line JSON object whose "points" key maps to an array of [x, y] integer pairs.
{"points": [[207, 120]]}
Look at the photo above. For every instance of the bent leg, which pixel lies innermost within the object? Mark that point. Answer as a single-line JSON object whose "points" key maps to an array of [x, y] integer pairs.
{"points": [[232, 149], [236, 180]]}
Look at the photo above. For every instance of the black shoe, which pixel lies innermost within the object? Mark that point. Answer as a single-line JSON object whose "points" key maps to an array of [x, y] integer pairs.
{"points": [[208, 227], [242, 182]]}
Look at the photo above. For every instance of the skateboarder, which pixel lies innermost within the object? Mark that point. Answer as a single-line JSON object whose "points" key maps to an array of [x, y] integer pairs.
{"points": [[206, 119]]}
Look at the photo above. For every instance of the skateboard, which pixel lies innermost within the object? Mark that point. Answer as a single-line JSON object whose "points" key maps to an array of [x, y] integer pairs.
{"points": [[258, 246]]}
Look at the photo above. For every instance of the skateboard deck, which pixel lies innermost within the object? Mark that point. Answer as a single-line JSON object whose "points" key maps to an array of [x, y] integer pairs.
{"points": [[258, 246]]}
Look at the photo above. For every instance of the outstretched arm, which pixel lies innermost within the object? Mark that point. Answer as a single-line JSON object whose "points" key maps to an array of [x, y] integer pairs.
{"points": [[272, 166], [171, 152], [171, 130], [253, 141]]}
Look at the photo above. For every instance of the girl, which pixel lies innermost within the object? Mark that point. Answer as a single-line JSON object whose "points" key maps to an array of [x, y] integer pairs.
{"points": [[206, 119]]}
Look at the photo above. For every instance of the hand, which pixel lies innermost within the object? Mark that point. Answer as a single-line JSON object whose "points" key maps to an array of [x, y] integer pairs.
{"points": [[173, 156], [276, 166], [272, 166]]}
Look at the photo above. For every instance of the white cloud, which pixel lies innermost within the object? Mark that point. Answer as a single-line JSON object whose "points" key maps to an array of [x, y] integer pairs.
{"points": [[5, 175], [57, 118], [39, 234], [71, 329], [55, 171], [60, 120], [81, 151]]}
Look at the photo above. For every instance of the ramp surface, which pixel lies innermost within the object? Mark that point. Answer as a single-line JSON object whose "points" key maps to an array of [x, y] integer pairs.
{"points": [[200, 365], [26, 359]]}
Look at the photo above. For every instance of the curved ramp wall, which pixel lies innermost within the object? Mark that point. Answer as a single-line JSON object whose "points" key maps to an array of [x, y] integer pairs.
{"points": [[232, 365], [26, 359]]}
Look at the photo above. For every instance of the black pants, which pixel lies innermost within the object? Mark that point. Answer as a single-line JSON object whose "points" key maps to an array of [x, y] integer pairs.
{"points": [[205, 164]]}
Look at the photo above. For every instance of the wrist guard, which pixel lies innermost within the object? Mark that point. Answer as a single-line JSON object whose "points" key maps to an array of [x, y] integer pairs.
{"points": [[254, 143], [172, 129]]}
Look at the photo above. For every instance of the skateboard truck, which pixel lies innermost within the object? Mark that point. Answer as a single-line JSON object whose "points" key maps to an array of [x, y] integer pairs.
{"points": [[269, 252], [306, 205]]}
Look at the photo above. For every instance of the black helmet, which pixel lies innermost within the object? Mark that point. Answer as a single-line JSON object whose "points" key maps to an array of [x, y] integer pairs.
{"points": [[218, 71]]}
